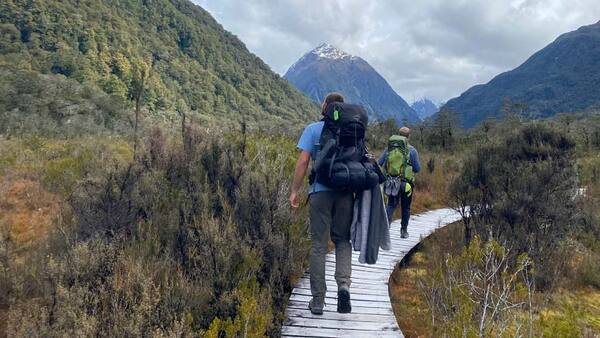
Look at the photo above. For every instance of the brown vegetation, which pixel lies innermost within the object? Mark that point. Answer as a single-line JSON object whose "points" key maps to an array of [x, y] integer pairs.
{"points": [[28, 211], [571, 310], [193, 238]]}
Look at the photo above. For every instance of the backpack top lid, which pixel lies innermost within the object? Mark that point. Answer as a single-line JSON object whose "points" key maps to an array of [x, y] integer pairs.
{"points": [[345, 122], [344, 113], [398, 141]]}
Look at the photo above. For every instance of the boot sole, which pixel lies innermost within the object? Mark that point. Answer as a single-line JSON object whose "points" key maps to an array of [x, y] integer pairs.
{"points": [[344, 305], [317, 312]]}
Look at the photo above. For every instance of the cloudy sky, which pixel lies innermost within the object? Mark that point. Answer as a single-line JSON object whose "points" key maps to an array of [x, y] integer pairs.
{"points": [[426, 48]]}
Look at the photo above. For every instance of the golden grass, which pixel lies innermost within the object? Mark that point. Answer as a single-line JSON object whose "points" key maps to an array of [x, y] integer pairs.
{"points": [[28, 211], [409, 307], [572, 310]]}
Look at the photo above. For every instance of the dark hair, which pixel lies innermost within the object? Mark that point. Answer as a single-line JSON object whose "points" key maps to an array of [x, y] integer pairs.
{"points": [[331, 97]]}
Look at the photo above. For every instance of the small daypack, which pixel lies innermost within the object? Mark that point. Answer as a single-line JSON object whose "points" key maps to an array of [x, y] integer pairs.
{"points": [[398, 162], [341, 163]]}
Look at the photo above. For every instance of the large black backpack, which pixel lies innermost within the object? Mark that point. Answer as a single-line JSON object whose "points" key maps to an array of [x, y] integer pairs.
{"points": [[341, 163]]}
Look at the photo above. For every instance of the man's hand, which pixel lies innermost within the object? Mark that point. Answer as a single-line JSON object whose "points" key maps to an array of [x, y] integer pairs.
{"points": [[299, 173], [294, 203]]}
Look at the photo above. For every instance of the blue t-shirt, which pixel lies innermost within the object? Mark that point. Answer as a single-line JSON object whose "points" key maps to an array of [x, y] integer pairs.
{"points": [[309, 142]]}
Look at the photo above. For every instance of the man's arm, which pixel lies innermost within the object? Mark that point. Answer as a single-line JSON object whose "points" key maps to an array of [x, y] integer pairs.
{"points": [[299, 173], [414, 159], [383, 157]]}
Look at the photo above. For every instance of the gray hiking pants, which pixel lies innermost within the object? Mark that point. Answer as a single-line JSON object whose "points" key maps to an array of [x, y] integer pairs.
{"points": [[330, 216]]}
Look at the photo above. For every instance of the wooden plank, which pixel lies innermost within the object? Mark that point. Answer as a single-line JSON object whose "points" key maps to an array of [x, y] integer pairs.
{"points": [[372, 314], [356, 310], [376, 291], [383, 264], [385, 268], [374, 268], [294, 313], [361, 303], [354, 295], [359, 276], [354, 290], [295, 331], [332, 285], [326, 323]]}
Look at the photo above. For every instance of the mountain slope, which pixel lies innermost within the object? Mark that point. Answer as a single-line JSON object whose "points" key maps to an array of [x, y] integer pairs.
{"points": [[327, 69], [196, 66], [562, 77], [424, 108]]}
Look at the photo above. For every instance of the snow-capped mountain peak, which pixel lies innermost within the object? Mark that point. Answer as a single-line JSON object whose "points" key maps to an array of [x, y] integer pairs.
{"points": [[425, 107], [327, 51], [324, 51], [327, 69]]}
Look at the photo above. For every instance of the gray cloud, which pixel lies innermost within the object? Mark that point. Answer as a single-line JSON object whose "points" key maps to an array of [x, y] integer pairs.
{"points": [[433, 48]]}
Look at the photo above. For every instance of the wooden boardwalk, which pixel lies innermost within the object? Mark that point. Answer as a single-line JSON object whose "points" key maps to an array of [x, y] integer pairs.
{"points": [[372, 314]]}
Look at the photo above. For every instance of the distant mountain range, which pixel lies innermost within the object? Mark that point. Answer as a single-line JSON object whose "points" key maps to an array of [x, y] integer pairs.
{"points": [[562, 77], [327, 69], [424, 108]]}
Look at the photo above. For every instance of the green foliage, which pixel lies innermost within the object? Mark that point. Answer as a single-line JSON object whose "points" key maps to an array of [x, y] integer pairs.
{"points": [[520, 190], [575, 314], [194, 63], [60, 165], [250, 321], [52, 105], [194, 238], [378, 134], [589, 269]]}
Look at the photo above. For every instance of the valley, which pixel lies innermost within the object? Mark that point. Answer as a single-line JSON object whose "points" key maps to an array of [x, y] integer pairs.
{"points": [[146, 163]]}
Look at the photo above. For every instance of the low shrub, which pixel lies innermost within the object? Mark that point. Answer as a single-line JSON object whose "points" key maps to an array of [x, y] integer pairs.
{"points": [[521, 190], [193, 238]]}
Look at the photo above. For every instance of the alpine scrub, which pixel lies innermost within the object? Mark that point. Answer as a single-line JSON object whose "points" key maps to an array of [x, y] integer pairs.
{"points": [[192, 239]]}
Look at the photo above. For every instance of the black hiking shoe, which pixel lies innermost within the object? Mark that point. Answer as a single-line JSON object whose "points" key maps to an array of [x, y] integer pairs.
{"points": [[316, 307], [343, 302], [403, 233]]}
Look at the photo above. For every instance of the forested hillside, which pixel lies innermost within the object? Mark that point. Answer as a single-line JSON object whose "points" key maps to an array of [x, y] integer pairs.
{"points": [[171, 52]]}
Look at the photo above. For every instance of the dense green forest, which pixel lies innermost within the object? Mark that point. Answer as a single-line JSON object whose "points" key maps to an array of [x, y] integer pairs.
{"points": [[169, 53], [51, 105]]}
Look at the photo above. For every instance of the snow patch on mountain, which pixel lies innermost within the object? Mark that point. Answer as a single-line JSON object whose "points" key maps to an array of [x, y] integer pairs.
{"points": [[425, 107], [327, 69], [324, 51], [327, 51]]}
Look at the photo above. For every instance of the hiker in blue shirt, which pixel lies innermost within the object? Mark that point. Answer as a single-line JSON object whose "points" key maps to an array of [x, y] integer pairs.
{"points": [[399, 188], [330, 217]]}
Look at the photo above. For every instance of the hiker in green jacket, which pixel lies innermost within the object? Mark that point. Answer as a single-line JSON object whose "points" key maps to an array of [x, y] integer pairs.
{"points": [[400, 161], [330, 216]]}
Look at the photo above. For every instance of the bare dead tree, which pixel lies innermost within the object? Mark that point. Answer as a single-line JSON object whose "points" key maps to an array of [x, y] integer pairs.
{"points": [[482, 283]]}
